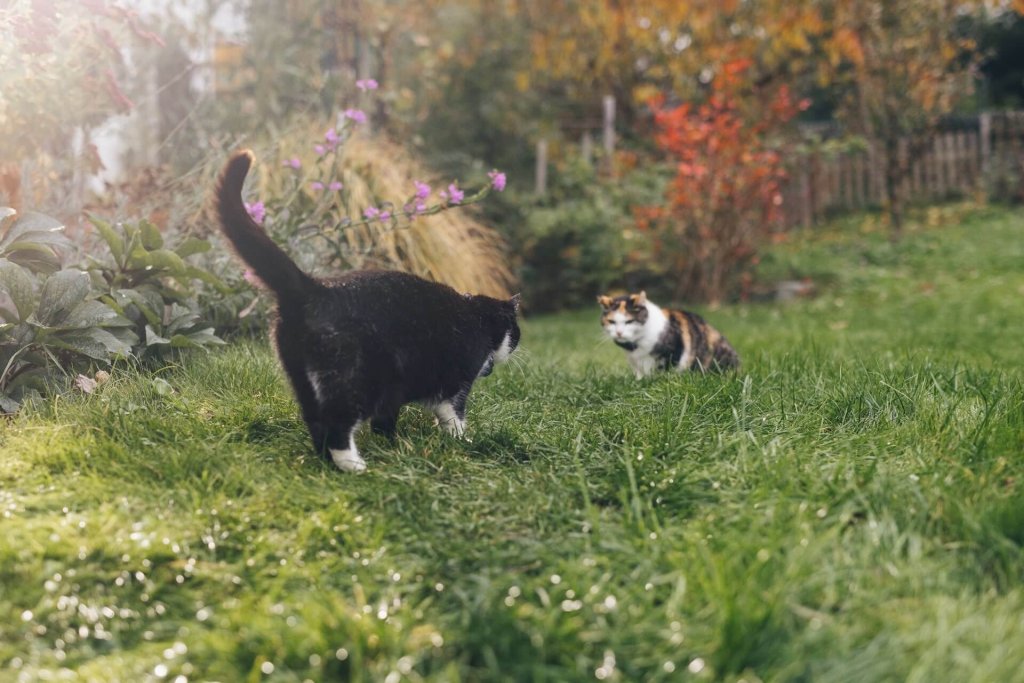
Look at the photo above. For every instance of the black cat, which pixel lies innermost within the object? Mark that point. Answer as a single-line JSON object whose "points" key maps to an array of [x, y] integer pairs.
{"points": [[362, 345]]}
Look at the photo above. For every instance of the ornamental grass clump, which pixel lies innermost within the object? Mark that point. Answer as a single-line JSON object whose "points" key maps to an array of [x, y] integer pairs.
{"points": [[350, 201]]}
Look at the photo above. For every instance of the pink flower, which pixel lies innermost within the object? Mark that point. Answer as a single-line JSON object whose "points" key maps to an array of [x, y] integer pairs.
{"points": [[251, 278], [357, 115], [320, 150], [371, 212], [420, 207], [334, 186], [366, 84], [422, 190], [332, 138], [497, 180], [316, 185], [256, 211], [454, 195], [293, 163], [384, 215]]}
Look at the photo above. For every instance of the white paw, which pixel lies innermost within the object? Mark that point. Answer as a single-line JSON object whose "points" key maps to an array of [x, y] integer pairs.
{"points": [[348, 460]]}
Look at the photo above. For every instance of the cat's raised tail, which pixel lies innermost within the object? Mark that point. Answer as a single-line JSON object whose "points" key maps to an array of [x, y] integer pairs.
{"points": [[251, 242]]}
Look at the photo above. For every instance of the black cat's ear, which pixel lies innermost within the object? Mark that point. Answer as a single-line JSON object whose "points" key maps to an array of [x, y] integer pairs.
{"points": [[605, 301], [516, 300]]}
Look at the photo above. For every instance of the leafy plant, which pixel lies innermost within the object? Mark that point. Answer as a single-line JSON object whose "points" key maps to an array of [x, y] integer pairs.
{"points": [[579, 239], [726, 193], [137, 301], [151, 285], [50, 320]]}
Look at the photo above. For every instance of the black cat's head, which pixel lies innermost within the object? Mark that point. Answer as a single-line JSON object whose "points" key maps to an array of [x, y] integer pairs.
{"points": [[503, 324]]}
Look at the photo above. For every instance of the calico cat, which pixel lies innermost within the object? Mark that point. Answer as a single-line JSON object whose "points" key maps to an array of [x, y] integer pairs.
{"points": [[360, 346], [660, 338]]}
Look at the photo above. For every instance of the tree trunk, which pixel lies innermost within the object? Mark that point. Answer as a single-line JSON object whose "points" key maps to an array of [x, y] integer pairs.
{"points": [[895, 173]]}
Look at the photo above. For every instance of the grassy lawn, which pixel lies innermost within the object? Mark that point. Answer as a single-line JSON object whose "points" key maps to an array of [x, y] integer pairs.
{"points": [[847, 507]]}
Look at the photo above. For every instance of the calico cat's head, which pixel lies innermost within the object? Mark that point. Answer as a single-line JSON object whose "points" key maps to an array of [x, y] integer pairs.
{"points": [[504, 330], [624, 317]]}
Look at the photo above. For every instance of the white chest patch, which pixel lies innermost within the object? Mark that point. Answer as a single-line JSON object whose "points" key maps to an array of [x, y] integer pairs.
{"points": [[505, 350]]}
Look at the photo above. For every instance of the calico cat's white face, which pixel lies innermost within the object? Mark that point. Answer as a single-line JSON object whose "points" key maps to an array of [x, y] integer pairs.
{"points": [[624, 317]]}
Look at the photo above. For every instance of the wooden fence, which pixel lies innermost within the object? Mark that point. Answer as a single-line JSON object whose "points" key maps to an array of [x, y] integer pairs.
{"points": [[964, 157]]}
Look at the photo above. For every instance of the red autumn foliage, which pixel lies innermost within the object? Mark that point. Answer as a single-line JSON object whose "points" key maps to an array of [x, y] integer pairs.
{"points": [[726, 193]]}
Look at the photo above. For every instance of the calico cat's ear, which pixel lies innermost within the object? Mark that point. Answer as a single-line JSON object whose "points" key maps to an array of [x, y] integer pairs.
{"points": [[640, 299], [516, 300], [605, 301]]}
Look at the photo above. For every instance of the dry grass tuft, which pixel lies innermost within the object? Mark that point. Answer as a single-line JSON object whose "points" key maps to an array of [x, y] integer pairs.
{"points": [[452, 247]]}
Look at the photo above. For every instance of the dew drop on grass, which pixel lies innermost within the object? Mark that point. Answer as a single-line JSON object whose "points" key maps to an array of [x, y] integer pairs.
{"points": [[267, 668], [160, 670], [696, 666], [669, 667], [26, 615], [341, 654], [556, 579]]}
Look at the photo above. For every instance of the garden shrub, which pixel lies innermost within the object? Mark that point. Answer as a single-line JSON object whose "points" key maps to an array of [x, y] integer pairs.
{"points": [[579, 239], [726, 194], [132, 303]]}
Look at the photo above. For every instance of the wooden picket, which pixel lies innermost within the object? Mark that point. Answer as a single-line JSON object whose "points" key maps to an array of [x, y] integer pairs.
{"points": [[953, 163]]}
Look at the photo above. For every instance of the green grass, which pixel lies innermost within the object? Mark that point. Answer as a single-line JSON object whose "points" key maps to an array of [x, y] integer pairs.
{"points": [[848, 507]]}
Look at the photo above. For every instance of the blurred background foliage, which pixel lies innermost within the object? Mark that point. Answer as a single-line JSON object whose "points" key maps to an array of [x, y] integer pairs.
{"points": [[152, 95]]}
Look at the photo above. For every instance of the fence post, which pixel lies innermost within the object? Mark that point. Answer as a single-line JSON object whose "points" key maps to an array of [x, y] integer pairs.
{"points": [[541, 174], [609, 130], [985, 141], [903, 159], [806, 200], [587, 148]]}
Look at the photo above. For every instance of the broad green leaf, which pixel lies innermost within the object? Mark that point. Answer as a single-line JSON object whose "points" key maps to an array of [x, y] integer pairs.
{"points": [[27, 222], [27, 245], [114, 241], [149, 303], [166, 259], [116, 302], [191, 246], [45, 262], [18, 284], [151, 237], [139, 259], [94, 314], [57, 239], [153, 338], [201, 338], [207, 277], [61, 292], [181, 318], [125, 335], [94, 343]]}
